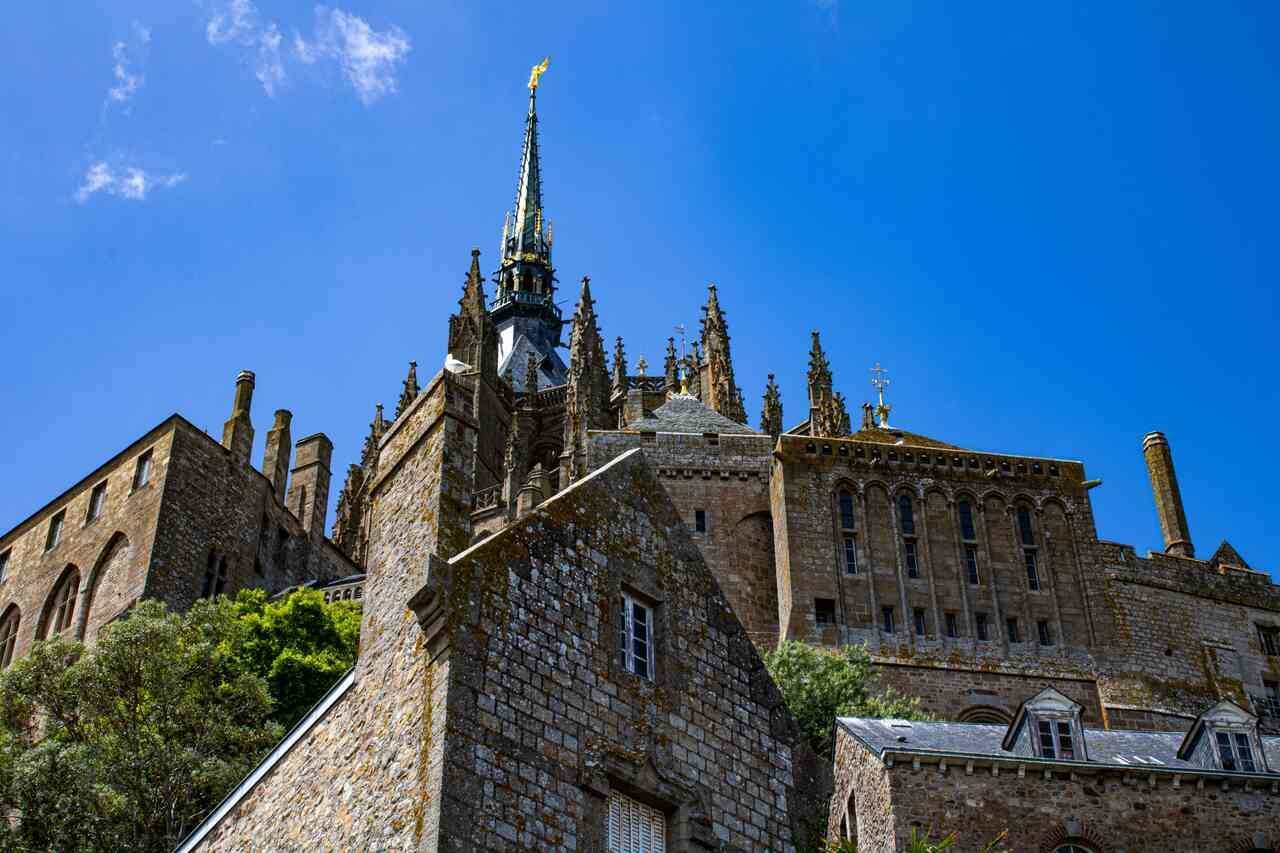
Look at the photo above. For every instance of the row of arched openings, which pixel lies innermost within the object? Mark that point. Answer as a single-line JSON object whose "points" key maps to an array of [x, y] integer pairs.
{"points": [[65, 604]]}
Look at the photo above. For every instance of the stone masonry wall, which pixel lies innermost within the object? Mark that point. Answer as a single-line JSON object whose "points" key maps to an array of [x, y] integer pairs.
{"points": [[368, 775], [543, 720], [216, 504], [862, 802], [727, 477], [110, 553], [953, 693], [1111, 811], [1185, 634]]}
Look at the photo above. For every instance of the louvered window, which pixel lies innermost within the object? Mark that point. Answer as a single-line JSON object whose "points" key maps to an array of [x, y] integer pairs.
{"points": [[635, 827]]}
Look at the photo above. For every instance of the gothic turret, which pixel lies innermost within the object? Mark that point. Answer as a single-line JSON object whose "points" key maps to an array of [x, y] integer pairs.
{"points": [[410, 391], [619, 367], [473, 338], [771, 411], [586, 404], [719, 390], [671, 367], [524, 309], [827, 413]]}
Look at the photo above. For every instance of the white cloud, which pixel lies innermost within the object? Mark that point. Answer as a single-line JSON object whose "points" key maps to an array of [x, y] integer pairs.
{"points": [[270, 68], [129, 182], [129, 80], [368, 58], [231, 20]]}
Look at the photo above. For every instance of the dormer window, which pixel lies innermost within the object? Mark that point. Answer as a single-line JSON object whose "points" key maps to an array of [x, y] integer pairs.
{"points": [[1047, 726], [1225, 737], [1235, 751], [1055, 739]]}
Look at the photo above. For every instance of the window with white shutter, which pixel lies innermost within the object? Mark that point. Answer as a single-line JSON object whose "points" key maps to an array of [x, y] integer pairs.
{"points": [[635, 827]]}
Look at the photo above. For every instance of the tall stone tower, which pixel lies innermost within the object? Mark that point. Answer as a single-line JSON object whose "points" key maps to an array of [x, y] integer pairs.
{"points": [[524, 309]]}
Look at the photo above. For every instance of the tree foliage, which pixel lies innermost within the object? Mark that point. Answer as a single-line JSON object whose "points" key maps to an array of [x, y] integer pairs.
{"points": [[820, 685], [299, 644], [127, 744]]}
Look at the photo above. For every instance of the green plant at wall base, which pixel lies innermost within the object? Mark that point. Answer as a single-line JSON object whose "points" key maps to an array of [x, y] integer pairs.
{"points": [[127, 744], [820, 685]]}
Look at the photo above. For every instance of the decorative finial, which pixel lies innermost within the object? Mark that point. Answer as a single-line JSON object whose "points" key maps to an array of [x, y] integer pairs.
{"points": [[642, 366], [536, 72], [880, 381]]}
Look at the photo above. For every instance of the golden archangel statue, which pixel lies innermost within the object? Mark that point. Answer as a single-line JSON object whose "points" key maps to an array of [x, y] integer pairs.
{"points": [[538, 71]]}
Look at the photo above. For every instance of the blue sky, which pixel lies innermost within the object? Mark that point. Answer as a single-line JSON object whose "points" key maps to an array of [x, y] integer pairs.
{"points": [[1053, 223]]}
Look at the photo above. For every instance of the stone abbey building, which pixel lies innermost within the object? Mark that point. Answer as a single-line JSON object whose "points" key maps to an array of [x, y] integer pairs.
{"points": [[570, 569]]}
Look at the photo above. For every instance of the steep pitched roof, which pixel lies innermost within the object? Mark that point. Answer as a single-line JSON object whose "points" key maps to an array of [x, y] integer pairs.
{"points": [[1226, 555], [688, 414]]}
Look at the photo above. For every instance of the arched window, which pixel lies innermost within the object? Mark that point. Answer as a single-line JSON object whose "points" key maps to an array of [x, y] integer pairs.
{"points": [[985, 714], [906, 515], [848, 538], [8, 635], [967, 531], [907, 520], [1072, 848], [61, 612], [1027, 536]]}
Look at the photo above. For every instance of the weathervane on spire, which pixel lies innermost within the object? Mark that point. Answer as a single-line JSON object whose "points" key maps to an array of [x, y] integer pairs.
{"points": [[682, 368], [880, 381], [537, 71]]}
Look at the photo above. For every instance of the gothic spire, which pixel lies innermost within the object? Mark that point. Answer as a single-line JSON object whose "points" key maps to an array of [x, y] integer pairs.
{"points": [[719, 391], [524, 309], [411, 389], [587, 394], [369, 454], [771, 412], [619, 367], [670, 367], [827, 413], [526, 227]]}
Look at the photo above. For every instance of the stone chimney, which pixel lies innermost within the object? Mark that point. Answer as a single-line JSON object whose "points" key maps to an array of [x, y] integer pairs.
{"points": [[1164, 486], [275, 458], [237, 432], [309, 483]]}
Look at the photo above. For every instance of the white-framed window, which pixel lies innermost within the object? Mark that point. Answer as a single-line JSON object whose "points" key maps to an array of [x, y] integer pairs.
{"points": [[636, 641], [1269, 638], [4, 565], [635, 827], [1056, 739], [1235, 751]]}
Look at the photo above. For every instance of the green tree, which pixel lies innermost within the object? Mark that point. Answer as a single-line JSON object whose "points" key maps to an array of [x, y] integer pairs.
{"points": [[127, 744], [299, 644], [820, 685]]}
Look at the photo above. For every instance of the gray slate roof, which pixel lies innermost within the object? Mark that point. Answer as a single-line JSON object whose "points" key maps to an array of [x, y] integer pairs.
{"points": [[690, 415], [1110, 747]]}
